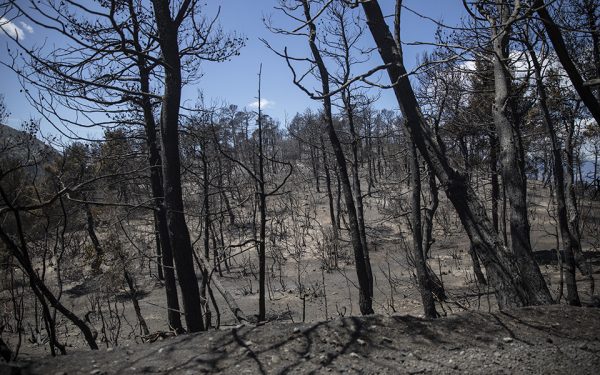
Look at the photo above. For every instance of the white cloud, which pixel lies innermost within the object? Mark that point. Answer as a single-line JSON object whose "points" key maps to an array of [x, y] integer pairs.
{"points": [[468, 65], [9, 28], [27, 27], [264, 103]]}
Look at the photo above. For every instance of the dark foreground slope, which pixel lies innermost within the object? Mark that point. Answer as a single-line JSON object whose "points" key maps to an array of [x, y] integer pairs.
{"points": [[554, 339]]}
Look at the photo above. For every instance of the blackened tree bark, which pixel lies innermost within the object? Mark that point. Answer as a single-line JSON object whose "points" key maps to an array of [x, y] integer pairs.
{"points": [[430, 211], [424, 281], [570, 241], [560, 47], [509, 139], [171, 163], [163, 243], [262, 196], [345, 39], [256, 172], [501, 267], [223, 195], [593, 17], [495, 194], [160, 216], [206, 235], [571, 196], [358, 197], [91, 229], [206, 202], [332, 216], [425, 285], [89, 216], [362, 270], [159, 263], [314, 158], [477, 266], [134, 300]]}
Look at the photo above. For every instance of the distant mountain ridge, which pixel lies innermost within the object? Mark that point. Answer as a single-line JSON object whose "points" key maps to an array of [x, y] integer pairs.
{"points": [[24, 148]]}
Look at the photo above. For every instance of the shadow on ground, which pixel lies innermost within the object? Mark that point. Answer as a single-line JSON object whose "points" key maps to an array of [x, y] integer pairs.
{"points": [[551, 339]]}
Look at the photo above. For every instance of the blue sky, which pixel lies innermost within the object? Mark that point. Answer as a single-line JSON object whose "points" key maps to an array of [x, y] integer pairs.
{"points": [[235, 81]]}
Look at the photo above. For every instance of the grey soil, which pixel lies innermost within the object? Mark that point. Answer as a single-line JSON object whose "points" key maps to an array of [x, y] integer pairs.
{"points": [[537, 340]]}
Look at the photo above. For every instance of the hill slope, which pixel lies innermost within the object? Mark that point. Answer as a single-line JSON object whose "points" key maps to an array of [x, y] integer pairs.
{"points": [[24, 148], [551, 339]]}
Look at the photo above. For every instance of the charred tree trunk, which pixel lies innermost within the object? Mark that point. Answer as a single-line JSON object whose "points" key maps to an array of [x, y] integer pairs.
{"points": [[423, 280], [91, 229], [334, 224], [338, 199], [163, 243], [229, 300], [135, 301], [570, 240], [430, 211], [477, 266], [362, 270], [573, 205], [159, 265], [556, 38], [262, 196], [314, 158], [357, 185], [500, 265], [206, 204], [178, 231], [495, 194], [372, 175], [206, 237], [223, 195], [592, 15], [161, 222], [511, 164]]}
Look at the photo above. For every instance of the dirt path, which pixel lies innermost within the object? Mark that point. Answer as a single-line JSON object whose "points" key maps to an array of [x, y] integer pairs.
{"points": [[554, 339]]}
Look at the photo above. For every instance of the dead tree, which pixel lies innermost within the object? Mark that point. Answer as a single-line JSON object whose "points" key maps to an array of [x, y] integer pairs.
{"points": [[558, 43], [424, 280], [570, 240], [95, 79], [262, 196], [365, 278], [501, 19], [168, 33], [500, 264]]}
